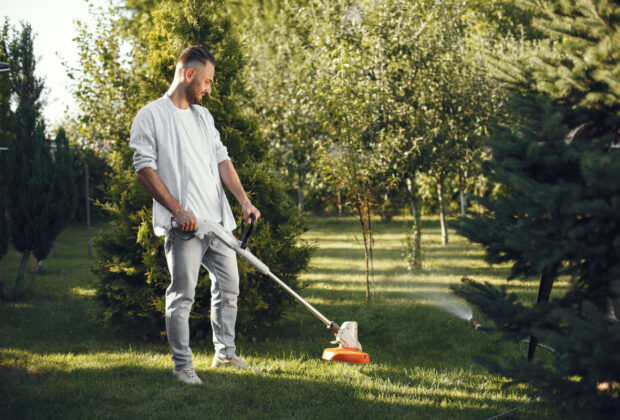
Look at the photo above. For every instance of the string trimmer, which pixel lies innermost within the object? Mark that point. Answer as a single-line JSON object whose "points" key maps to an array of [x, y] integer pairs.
{"points": [[349, 349]]}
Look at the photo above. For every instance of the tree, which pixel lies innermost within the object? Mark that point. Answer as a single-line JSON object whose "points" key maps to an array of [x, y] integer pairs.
{"points": [[130, 263], [5, 137], [40, 190], [64, 189], [436, 95], [347, 98], [5, 92], [28, 161], [559, 214], [103, 83], [282, 103]]}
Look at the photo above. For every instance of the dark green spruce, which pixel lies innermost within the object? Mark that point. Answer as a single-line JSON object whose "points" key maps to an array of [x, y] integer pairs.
{"points": [[40, 190], [558, 214]]}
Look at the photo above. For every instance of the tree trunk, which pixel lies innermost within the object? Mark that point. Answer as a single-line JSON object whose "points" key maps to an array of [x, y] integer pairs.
{"points": [[411, 191], [442, 211], [417, 237], [300, 195], [544, 292], [3, 294], [481, 193], [34, 264], [371, 242], [462, 194], [87, 194], [360, 212], [20, 276], [339, 204]]}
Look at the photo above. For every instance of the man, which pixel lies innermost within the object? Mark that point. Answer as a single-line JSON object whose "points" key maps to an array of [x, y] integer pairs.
{"points": [[181, 162]]}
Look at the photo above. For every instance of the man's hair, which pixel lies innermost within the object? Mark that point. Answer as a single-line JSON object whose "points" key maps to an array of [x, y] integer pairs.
{"points": [[194, 54]]}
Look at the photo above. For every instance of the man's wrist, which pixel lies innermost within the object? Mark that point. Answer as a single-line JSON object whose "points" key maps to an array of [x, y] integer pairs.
{"points": [[177, 211]]}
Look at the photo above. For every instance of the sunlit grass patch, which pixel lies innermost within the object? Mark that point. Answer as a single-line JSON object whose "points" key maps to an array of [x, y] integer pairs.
{"points": [[81, 291]]}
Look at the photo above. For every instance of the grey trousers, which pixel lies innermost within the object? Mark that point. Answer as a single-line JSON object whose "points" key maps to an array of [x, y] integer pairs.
{"points": [[184, 258]]}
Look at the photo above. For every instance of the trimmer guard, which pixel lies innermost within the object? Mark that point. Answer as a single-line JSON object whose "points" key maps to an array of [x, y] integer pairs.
{"points": [[347, 336]]}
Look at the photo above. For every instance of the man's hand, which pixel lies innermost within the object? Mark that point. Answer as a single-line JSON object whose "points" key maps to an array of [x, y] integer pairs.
{"points": [[248, 208], [186, 220]]}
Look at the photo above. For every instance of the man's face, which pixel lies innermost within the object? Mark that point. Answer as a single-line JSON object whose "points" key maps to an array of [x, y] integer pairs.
{"points": [[200, 83]]}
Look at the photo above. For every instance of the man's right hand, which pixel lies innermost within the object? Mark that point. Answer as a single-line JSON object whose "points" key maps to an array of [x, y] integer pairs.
{"points": [[186, 220]]}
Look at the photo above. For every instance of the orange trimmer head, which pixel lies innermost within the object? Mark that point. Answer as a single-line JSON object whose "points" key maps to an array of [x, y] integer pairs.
{"points": [[346, 355]]}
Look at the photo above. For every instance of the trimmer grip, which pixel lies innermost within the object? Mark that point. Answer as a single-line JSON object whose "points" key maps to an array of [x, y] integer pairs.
{"points": [[333, 327], [245, 235]]}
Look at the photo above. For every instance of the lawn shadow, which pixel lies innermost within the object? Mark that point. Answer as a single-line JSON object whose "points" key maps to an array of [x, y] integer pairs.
{"points": [[139, 392]]}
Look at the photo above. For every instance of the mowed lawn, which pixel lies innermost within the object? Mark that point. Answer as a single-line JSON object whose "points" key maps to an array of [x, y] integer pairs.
{"points": [[57, 361]]}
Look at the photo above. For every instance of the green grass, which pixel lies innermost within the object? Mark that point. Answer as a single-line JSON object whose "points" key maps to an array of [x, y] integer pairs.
{"points": [[57, 361]]}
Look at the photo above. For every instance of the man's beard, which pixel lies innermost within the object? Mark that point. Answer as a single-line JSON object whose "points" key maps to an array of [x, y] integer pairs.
{"points": [[193, 94]]}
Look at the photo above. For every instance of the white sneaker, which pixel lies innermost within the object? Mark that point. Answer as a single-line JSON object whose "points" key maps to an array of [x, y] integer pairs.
{"points": [[234, 361], [187, 375]]}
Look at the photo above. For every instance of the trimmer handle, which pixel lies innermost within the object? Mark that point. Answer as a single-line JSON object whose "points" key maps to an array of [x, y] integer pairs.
{"points": [[246, 235]]}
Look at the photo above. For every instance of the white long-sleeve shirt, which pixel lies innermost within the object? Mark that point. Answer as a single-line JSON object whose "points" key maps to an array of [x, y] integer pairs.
{"points": [[188, 168]]}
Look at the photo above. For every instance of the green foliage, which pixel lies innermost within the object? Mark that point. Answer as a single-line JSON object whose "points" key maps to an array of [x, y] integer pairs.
{"points": [[104, 88], [528, 161], [284, 104], [98, 170], [578, 65], [559, 211], [36, 190], [131, 265], [65, 190], [587, 345]]}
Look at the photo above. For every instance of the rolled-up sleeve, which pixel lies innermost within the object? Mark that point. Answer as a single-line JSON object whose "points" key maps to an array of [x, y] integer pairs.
{"points": [[221, 152], [143, 142]]}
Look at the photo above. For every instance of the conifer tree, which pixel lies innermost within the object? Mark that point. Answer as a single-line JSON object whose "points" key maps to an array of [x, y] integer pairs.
{"points": [[40, 191], [5, 136], [560, 210], [28, 160], [5, 92]]}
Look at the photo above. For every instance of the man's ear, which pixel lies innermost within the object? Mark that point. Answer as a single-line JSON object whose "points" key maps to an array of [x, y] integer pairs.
{"points": [[189, 75]]}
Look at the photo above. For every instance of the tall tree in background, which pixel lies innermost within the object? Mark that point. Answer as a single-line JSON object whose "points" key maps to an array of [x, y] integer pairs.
{"points": [[559, 164], [40, 190], [104, 86], [29, 163], [5, 93], [65, 189], [284, 103], [5, 138]]}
